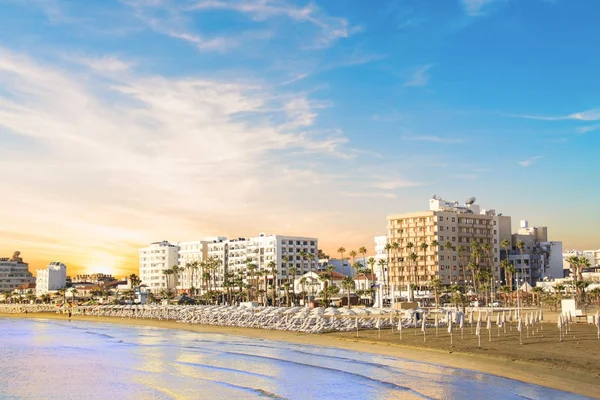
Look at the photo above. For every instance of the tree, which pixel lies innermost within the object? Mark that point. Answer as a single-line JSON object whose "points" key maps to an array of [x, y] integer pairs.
{"points": [[388, 249], [461, 260], [293, 270], [324, 277], [505, 245], [363, 251], [62, 292], [252, 269], [348, 284], [537, 294], [352, 255], [303, 281], [371, 262], [73, 293], [436, 284], [272, 266], [521, 248], [423, 247], [342, 250], [413, 258], [584, 263]]}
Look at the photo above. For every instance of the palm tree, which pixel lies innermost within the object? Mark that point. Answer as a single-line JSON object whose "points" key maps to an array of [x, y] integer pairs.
{"points": [[73, 291], [413, 258], [583, 263], [505, 245], [303, 281], [382, 263], [167, 273], [272, 266], [537, 294], [348, 284], [293, 270], [436, 284], [423, 247], [461, 261], [252, 269], [371, 262], [363, 251], [342, 250], [352, 255], [521, 248], [324, 277], [388, 249]]}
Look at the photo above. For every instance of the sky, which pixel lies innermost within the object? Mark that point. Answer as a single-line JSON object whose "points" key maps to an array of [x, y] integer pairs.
{"points": [[124, 122]]}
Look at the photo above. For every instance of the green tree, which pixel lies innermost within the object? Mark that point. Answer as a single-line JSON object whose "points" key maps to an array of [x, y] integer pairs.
{"points": [[342, 250], [348, 284], [436, 284], [521, 247]]}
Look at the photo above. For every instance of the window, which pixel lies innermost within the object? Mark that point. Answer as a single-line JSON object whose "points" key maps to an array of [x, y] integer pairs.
{"points": [[441, 228], [453, 229], [453, 219], [441, 258], [441, 238], [453, 258]]}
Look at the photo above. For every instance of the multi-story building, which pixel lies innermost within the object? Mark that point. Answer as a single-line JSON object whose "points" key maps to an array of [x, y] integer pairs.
{"points": [[263, 251], [154, 260], [540, 258], [441, 240], [191, 256], [96, 279], [54, 277], [14, 273], [593, 256]]}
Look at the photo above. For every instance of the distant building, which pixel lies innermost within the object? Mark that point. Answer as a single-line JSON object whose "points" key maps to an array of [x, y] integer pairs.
{"points": [[444, 222], [285, 252], [191, 255], [14, 273], [543, 258], [96, 279], [154, 260], [341, 266], [54, 277]]}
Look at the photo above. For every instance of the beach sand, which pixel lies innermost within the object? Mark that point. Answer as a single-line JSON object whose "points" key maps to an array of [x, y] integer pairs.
{"points": [[572, 366]]}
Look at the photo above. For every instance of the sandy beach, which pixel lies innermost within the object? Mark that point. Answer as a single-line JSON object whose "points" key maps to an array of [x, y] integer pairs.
{"points": [[572, 365]]}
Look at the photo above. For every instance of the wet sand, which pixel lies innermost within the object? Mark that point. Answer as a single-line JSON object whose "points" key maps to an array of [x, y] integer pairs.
{"points": [[572, 365]]}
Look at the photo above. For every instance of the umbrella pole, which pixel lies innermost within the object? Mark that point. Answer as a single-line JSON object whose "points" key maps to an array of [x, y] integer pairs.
{"points": [[479, 338], [520, 337], [462, 333]]}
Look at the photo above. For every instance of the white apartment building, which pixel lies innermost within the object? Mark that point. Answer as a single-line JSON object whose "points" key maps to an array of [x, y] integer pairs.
{"points": [[14, 273], [593, 256], [380, 254], [154, 260], [191, 255], [52, 278], [284, 251], [444, 222]]}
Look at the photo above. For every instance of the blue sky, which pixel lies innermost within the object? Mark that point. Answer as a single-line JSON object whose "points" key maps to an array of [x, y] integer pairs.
{"points": [[159, 119]]}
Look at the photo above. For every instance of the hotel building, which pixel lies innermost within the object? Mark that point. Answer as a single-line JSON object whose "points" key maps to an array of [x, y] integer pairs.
{"points": [[235, 255], [154, 260], [54, 277], [444, 222], [191, 254], [14, 273]]}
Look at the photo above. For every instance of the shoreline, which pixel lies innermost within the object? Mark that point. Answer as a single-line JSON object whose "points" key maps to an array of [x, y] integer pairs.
{"points": [[564, 379]]}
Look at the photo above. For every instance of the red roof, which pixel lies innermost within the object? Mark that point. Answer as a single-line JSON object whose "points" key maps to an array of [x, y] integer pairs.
{"points": [[362, 276], [27, 286]]}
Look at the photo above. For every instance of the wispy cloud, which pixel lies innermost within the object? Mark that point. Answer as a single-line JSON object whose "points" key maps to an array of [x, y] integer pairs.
{"points": [[528, 162], [432, 139], [476, 7], [466, 177], [332, 28], [590, 115], [103, 64], [420, 77], [589, 128], [398, 183]]}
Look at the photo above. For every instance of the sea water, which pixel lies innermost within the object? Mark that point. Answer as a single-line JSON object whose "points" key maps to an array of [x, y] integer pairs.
{"points": [[53, 359]]}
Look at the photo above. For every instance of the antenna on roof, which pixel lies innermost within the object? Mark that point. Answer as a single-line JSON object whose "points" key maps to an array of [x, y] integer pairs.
{"points": [[470, 200]]}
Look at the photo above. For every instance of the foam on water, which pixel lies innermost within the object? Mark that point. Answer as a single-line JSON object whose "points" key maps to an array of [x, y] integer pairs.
{"points": [[49, 359]]}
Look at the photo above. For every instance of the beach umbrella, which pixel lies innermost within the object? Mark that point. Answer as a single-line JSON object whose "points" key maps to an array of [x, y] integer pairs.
{"points": [[423, 327], [520, 329], [489, 326], [478, 332], [527, 323], [542, 319], [378, 325], [498, 323], [598, 323], [461, 323], [504, 321], [559, 324], [356, 323], [471, 320], [400, 327], [450, 329], [415, 322], [436, 323]]}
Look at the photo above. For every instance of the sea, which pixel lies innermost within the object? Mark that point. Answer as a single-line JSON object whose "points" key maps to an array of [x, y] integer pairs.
{"points": [[55, 359]]}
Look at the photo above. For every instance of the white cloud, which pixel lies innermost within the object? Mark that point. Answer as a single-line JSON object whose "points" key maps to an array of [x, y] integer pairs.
{"points": [[104, 64], [527, 163], [398, 183], [432, 139], [173, 153], [420, 77], [589, 128], [589, 115], [475, 7], [332, 28]]}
